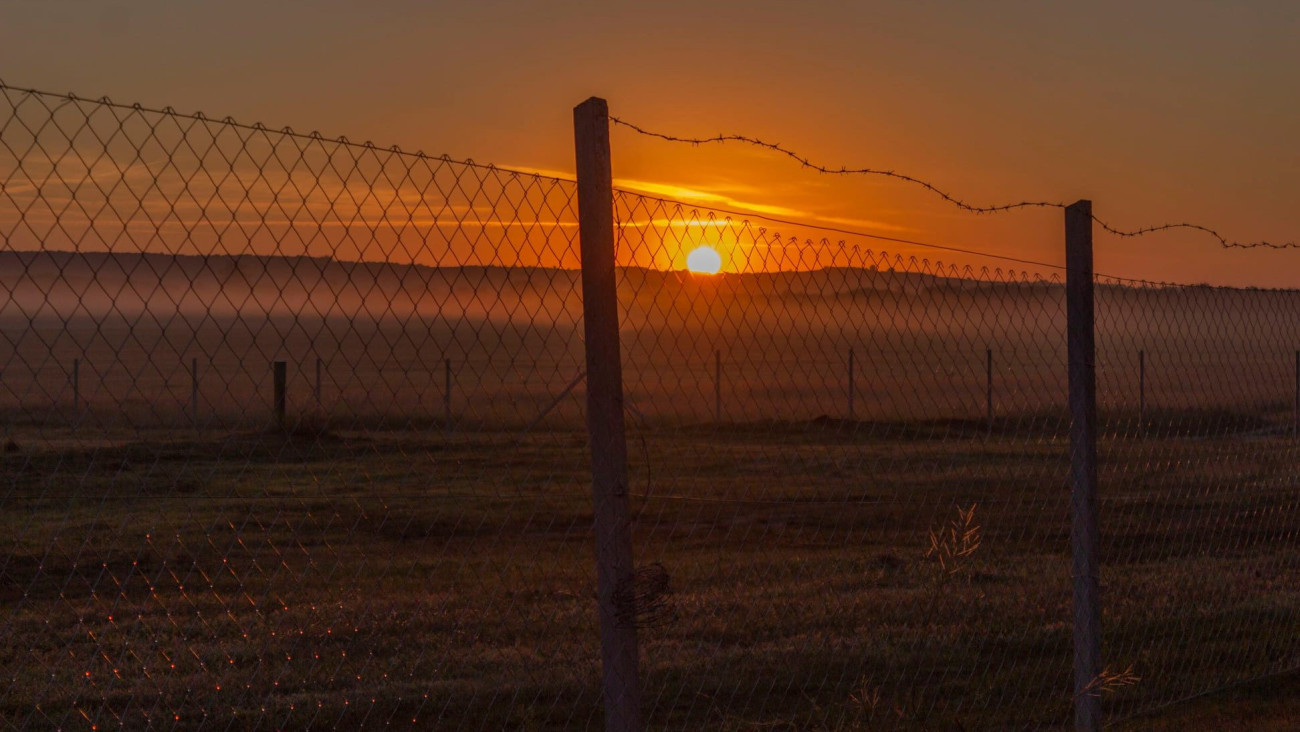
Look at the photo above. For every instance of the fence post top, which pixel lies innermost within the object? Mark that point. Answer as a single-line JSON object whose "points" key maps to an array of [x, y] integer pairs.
{"points": [[1082, 203], [593, 104]]}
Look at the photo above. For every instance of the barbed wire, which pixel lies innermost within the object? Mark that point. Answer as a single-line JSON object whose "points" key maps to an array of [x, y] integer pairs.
{"points": [[960, 203]]}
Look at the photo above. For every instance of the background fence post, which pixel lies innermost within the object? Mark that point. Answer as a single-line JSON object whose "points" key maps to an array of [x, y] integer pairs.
{"points": [[446, 395], [318, 387], [1142, 393], [194, 391], [717, 387], [988, 382], [280, 374], [851, 411], [76, 391], [614, 565], [1084, 537]]}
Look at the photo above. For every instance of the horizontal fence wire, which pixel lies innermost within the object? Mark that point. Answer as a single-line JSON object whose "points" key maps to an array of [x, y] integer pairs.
{"points": [[291, 431]]}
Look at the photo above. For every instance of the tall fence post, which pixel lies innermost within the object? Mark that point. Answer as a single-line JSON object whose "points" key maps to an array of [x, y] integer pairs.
{"points": [[614, 564], [851, 411], [280, 377], [1084, 538]]}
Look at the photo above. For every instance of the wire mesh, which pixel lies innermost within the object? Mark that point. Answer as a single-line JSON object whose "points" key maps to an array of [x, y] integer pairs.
{"points": [[390, 527], [852, 465], [1200, 387], [294, 437]]}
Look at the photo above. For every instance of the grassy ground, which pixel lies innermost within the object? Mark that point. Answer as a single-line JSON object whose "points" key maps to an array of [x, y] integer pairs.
{"points": [[1266, 705], [822, 576]]}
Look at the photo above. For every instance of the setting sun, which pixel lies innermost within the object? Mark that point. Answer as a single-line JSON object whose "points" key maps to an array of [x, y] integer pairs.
{"points": [[704, 260]]}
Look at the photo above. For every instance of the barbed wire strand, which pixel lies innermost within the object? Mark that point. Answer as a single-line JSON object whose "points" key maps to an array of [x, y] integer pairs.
{"points": [[960, 203]]}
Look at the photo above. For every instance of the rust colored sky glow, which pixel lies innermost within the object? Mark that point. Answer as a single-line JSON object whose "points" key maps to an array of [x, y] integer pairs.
{"points": [[1158, 111]]}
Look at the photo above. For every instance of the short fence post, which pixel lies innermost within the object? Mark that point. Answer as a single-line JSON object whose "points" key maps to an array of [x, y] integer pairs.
{"points": [[988, 383], [1142, 393], [280, 372], [851, 414], [717, 386], [1084, 538], [194, 391], [76, 391], [605, 420], [446, 396]]}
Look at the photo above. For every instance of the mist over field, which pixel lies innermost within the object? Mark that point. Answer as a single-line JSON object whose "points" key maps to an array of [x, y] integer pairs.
{"points": [[513, 337]]}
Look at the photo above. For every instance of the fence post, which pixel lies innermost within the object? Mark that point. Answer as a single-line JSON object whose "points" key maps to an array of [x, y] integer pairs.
{"points": [[1142, 393], [318, 387], [851, 415], [1295, 427], [446, 396], [717, 387], [1084, 537], [76, 391], [194, 391], [280, 373], [614, 564], [988, 382]]}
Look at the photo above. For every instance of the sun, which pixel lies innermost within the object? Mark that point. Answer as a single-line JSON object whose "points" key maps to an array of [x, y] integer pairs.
{"points": [[704, 260]]}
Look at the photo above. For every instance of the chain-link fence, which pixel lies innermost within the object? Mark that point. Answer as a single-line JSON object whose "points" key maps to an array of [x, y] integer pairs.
{"points": [[295, 437], [405, 540], [854, 467]]}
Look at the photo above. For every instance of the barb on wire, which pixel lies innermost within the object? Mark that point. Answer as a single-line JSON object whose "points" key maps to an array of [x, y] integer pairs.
{"points": [[807, 163], [804, 161]]}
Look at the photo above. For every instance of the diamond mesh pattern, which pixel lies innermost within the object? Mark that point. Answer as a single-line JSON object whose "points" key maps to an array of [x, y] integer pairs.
{"points": [[1200, 387], [177, 554], [848, 467], [889, 547]]}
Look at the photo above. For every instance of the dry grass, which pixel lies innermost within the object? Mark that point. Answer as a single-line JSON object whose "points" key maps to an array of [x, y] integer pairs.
{"points": [[293, 580]]}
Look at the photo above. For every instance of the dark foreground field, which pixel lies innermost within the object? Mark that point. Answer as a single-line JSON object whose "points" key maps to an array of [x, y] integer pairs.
{"points": [[822, 575]]}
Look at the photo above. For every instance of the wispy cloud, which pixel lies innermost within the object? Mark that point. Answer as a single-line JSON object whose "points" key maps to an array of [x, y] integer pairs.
{"points": [[725, 196]]}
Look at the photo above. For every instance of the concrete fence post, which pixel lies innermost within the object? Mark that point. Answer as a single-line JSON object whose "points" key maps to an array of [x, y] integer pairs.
{"points": [[605, 419]]}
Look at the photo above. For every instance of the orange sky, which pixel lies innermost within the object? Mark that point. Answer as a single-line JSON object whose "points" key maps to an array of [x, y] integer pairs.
{"points": [[1167, 111]]}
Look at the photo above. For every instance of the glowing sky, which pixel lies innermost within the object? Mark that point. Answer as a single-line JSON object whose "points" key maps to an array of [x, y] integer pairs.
{"points": [[1158, 111]]}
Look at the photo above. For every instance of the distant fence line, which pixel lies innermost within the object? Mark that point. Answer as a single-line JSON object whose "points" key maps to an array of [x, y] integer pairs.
{"points": [[828, 489]]}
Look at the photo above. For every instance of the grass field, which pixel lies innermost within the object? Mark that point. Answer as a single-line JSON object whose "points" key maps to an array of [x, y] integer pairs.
{"points": [[296, 580], [900, 562]]}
